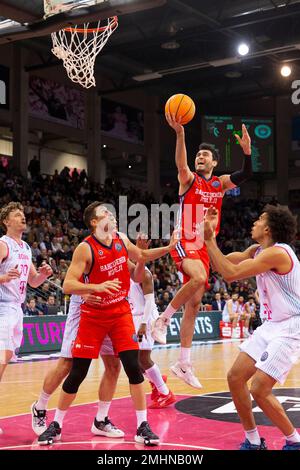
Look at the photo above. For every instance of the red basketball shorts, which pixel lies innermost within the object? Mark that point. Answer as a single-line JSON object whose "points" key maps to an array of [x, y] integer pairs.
{"points": [[184, 250], [95, 324]]}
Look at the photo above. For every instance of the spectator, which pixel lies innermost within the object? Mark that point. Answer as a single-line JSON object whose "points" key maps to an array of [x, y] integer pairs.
{"points": [[34, 168], [32, 310], [218, 303]]}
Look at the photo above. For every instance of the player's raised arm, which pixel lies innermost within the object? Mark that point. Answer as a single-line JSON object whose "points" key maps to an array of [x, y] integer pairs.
{"points": [[143, 256], [240, 176], [185, 175]]}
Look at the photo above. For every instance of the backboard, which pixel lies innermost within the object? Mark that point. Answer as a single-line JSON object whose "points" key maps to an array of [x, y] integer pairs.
{"points": [[54, 7]]}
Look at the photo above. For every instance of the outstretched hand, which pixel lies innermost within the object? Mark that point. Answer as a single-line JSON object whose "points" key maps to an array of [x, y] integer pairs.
{"points": [[210, 223], [244, 141], [175, 123]]}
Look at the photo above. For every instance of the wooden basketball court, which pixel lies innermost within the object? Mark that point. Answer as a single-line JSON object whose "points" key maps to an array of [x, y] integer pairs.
{"points": [[195, 429]]}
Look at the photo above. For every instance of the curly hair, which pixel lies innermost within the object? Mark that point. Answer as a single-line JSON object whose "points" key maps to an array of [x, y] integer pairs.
{"points": [[6, 210], [282, 223]]}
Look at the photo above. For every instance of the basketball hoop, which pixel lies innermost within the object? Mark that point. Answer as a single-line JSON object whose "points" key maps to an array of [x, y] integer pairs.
{"points": [[79, 46]]}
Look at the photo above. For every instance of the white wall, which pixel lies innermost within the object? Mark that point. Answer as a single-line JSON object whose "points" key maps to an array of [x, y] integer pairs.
{"points": [[52, 160]]}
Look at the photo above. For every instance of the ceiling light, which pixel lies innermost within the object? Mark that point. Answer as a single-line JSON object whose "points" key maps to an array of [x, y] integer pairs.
{"points": [[243, 49], [170, 45], [147, 76], [286, 71], [224, 62], [233, 74]]}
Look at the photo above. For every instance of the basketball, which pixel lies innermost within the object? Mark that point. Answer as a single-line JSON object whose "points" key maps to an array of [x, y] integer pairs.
{"points": [[181, 106]]}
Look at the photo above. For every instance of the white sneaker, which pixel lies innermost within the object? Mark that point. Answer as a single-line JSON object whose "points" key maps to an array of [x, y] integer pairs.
{"points": [[38, 420], [106, 428], [159, 330], [185, 372]]}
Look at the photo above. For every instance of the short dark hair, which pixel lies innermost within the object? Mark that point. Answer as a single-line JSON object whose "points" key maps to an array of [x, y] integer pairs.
{"points": [[282, 223], [212, 149], [90, 213], [6, 210]]}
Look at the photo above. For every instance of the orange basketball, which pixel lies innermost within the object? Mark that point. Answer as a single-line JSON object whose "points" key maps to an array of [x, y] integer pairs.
{"points": [[181, 106]]}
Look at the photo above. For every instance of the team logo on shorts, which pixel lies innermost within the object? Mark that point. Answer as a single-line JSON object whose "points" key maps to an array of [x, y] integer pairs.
{"points": [[215, 184], [118, 247], [264, 357]]}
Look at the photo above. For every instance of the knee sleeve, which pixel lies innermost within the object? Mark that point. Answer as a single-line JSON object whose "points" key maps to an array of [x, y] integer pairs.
{"points": [[131, 366], [77, 375]]}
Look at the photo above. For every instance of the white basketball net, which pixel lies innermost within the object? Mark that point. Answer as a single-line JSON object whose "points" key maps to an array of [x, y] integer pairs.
{"points": [[79, 48]]}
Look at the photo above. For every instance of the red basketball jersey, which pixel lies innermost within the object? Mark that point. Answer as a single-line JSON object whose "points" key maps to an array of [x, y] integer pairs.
{"points": [[194, 203], [109, 263]]}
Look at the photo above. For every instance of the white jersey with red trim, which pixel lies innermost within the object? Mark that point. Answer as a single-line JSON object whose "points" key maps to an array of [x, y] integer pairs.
{"points": [[137, 302], [279, 294], [18, 257]]}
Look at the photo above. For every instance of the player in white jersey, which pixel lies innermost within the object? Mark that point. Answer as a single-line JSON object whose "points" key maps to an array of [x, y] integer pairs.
{"points": [[102, 425], [268, 355], [16, 270], [144, 311], [249, 315]]}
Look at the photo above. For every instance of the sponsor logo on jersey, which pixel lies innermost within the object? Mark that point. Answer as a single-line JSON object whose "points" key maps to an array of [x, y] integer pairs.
{"points": [[264, 356]]}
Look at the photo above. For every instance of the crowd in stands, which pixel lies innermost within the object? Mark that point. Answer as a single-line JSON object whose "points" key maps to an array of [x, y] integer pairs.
{"points": [[54, 208]]}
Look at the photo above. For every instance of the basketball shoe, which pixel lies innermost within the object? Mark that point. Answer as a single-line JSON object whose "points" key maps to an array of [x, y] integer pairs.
{"points": [[38, 420], [185, 372], [155, 392], [291, 445], [145, 436], [162, 401], [246, 445], [52, 434], [106, 428]]}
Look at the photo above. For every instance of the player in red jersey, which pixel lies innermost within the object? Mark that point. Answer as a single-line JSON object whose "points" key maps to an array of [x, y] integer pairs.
{"points": [[198, 191], [103, 260]]}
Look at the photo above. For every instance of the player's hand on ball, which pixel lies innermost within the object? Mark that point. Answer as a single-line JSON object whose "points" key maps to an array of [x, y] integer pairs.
{"points": [[175, 124]]}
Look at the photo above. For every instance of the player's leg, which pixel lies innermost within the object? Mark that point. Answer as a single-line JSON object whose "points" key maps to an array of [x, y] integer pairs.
{"points": [[102, 425], [234, 318], [58, 373], [196, 273], [86, 347], [273, 366], [239, 374], [78, 372], [52, 381], [183, 368], [161, 394], [122, 336], [11, 333]]}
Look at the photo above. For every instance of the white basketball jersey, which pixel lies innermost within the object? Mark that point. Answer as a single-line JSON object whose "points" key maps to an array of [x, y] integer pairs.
{"points": [[279, 294], [136, 300], [235, 307], [19, 257]]}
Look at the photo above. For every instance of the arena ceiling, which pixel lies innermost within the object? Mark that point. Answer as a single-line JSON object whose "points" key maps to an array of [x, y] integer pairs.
{"points": [[185, 45]]}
